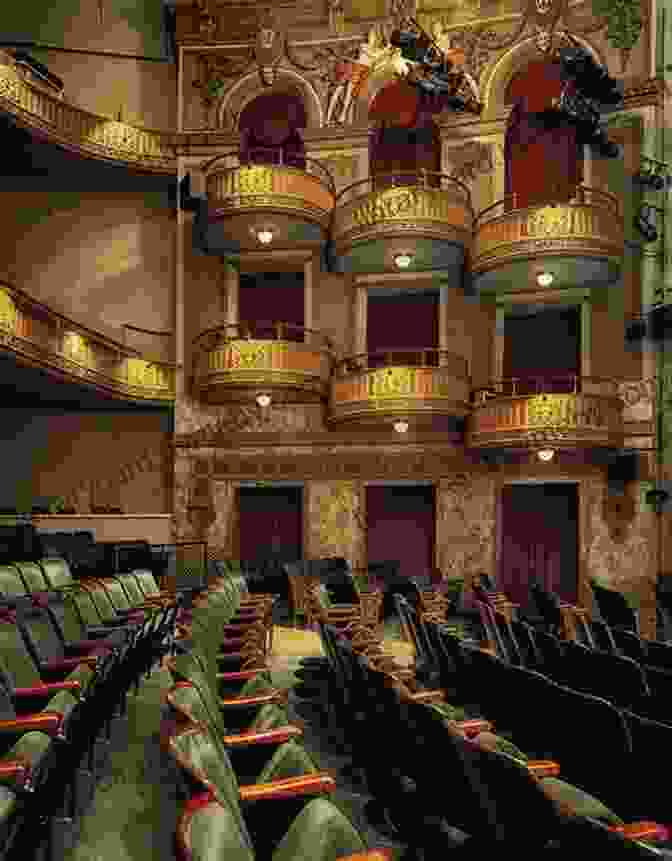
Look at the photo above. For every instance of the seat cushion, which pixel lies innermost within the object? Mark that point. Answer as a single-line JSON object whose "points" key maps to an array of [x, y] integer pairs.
{"points": [[578, 801]]}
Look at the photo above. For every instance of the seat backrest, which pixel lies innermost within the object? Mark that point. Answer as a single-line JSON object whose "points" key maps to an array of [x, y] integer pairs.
{"points": [[11, 583], [116, 593], [617, 678], [547, 604], [614, 608], [146, 581], [39, 634], [33, 576], [631, 645], [129, 584], [57, 572], [14, 654], [659, 654], [100, 599], [209, 831]]}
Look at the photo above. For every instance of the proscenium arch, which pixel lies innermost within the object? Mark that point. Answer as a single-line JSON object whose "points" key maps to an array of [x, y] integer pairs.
{"points": [[496, 78], [250, 86]]}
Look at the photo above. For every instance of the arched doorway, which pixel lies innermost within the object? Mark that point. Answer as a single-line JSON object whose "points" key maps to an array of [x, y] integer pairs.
{"points": [[404, 139], [271, 130], [542, 158]]}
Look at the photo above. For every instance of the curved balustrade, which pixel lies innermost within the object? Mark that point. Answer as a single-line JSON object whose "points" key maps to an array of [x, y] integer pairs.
{"points": [[417, 203], [298, 186], [400, 383], [237, 361], [589, 225], [567, 410], [38, 336], [78, 130]]}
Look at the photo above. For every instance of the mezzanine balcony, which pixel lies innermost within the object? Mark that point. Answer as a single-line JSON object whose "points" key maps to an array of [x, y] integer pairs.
{"points": [[375, 389], [579, 242], [239, 361], [565, 412]]}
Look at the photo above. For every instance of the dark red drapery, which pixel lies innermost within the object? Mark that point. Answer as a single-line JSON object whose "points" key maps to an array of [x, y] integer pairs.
{"points": [[402, 322], [271, 523]]}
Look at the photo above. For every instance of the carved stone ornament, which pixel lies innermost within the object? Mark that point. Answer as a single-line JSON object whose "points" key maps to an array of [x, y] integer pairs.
{"points": [[269, 49]]}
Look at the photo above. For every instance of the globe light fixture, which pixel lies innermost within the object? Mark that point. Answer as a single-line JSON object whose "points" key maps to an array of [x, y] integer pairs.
{"points": [[403, 261], [546, 454], [265, 236], [544, 279], [264, 401], [401, 426]]}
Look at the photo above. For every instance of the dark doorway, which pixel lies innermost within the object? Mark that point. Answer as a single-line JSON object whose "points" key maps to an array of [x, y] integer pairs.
{"points": [[400, 528], [539, 538], [398, 155], [544, 349], [271, 130], [270, 529], [401, 322], [271, 305]]}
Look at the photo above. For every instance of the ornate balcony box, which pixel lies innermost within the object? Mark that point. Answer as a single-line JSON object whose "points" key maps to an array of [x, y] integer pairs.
{"points": [[425, 215], [238, 362], [567, 412], [292, 202], [579, 242], [378, 388]]}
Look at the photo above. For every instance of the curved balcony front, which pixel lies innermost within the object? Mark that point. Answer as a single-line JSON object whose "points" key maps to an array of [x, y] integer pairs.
{"points": [[39, 337], [579, 242], [564, 412], [292, 202], [424, 215], [418, 385], [236, 362]]}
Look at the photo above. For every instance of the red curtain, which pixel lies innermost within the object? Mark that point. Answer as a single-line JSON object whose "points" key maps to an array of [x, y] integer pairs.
{"points": [[271, 523], [540, 162], [545, 345], [539, 538], [397, 103], [403, 322], [271, 129], [400, 524]]}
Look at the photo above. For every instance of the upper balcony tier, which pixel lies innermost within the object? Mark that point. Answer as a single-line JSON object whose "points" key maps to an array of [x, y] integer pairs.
{"points": [[565, 412], [376, 389], [36, 336], [239, 361], [579, 242], [258, 206], [424, 216]]}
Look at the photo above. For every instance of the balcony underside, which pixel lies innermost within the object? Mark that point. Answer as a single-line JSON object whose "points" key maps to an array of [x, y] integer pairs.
{"points": [[377, 254]]}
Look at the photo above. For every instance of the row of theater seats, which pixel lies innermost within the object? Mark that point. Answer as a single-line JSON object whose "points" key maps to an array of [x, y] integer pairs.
{"points": [[70, 651], [248, 786], [493, 795]]}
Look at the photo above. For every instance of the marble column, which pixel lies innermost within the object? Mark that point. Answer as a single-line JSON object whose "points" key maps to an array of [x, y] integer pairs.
{"points": [[232, 287], [361, 303], [308, 300], [443, 326]]}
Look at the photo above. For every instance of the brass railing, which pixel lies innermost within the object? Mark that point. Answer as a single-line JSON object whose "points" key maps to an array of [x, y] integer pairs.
{"points": [[252, 353], [37, 335], [525, 411], [591, 220], [92, 135], [402, 382], [418, 197]]}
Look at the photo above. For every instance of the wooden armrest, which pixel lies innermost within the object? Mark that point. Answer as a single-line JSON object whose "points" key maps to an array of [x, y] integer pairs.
{"points": [[638, 830], [14, 768], [257, 700], [272, 736], [543, 768], [404, 674], [47, 688], [428, 697], [473, 727], [371, 855], [290, 787], [240, 676], [48, 722]]}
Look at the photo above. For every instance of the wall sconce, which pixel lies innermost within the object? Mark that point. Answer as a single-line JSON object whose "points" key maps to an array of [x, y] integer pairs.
{"points": [[265, 236], [403, 261], [401, 426], [546, 454], [264, 401], [545, 279]]}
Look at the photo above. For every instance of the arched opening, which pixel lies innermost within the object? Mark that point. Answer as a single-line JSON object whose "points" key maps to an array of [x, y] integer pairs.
{"points": [[271, 130], [405, 139], [542, 158]]}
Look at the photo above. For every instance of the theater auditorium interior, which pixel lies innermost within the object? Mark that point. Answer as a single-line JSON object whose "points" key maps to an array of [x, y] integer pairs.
{"points": [[335, 430]]}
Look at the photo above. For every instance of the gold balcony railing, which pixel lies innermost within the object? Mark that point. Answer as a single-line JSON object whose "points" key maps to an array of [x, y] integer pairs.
{"points": [[590, 224], [237, 361], [565, 410], [38, 336], [420, 203], [399, 383], [89, 134], [300, 186]]}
